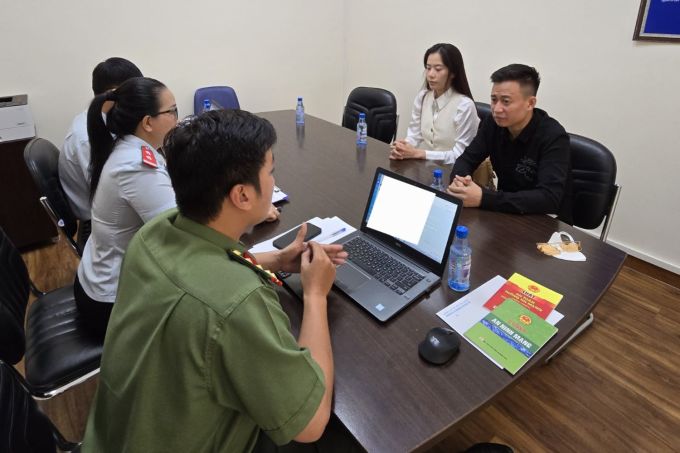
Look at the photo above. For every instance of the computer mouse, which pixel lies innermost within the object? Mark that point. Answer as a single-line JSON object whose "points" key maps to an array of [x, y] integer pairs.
{"points": [[439, 346]]}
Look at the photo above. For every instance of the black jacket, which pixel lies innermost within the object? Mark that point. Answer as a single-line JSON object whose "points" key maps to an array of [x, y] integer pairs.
{"points": [[534, 170]]}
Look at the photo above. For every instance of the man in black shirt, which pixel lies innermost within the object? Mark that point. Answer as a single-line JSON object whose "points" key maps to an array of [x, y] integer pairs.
{"points": [[528, 149]]}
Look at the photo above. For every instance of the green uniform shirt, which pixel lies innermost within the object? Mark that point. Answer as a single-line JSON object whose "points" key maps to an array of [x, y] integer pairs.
{"points": [[198, 354]]}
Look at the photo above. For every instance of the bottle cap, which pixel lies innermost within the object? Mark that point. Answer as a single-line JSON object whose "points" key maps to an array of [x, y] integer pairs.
{"points": [[437, 173], [299, 98], [362, 115], [461, 232]]}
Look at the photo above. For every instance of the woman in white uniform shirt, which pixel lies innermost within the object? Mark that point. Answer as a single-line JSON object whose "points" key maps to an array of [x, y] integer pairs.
{"points": [[129, 185], [444, 119]]}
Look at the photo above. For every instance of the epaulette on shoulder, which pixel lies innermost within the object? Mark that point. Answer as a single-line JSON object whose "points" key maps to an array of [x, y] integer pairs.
{"points": [[148, 158], [248, 260]]}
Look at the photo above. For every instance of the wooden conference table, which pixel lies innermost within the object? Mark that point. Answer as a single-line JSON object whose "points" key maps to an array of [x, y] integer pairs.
{"points": [[385, 395]]}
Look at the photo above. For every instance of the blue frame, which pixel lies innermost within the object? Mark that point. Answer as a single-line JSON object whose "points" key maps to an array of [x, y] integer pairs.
{"points": [[658, 20]]}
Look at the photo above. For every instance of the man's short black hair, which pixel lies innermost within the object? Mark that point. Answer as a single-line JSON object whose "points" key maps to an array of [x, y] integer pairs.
{"points": [[209, 154], [526, 76], [111, 73]]}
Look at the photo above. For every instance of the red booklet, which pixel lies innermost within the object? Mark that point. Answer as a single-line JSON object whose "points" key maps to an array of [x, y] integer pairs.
{"points": [[510, 290]]}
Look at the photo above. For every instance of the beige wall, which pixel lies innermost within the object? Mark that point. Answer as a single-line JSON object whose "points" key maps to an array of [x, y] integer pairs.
{"points": [[269, 51], [596, 81]]}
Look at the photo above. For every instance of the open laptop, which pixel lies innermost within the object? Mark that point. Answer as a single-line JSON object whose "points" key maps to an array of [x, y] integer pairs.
{"points": [[400, 251]]}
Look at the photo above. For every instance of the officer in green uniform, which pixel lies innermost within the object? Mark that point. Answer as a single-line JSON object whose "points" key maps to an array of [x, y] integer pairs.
{"points": [[198, 355]]}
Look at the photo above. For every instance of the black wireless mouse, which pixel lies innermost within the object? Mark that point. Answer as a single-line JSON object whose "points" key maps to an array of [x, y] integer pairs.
{"points": [[439, 345]]}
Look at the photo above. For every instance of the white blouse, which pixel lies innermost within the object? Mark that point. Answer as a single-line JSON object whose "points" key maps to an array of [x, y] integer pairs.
{"points": [[460, 124]]}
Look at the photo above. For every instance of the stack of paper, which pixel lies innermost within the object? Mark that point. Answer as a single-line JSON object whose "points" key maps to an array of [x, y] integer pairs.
{"points": [[332, 229], [278, 195]]}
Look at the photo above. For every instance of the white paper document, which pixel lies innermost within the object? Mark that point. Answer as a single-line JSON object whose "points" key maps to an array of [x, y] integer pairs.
{"points": [[278, 195], [332, 229]]}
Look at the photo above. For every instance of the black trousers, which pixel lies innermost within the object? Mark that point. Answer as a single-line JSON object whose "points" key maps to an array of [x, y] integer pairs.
{"points": [[335, 439], [96, 314]]}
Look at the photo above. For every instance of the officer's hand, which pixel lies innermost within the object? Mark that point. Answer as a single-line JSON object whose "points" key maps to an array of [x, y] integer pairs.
{"points": [[289, 257], [318, 271]]}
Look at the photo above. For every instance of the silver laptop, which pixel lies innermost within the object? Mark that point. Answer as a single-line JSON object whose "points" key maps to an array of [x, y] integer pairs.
{"points": [[400, 251]]}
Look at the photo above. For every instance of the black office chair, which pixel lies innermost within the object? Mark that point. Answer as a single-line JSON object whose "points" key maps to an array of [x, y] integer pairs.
{"points": [[42, 160], [595, 195], [58, 351], [380, 107], [24, 428], [594, 190], [483, 110]]}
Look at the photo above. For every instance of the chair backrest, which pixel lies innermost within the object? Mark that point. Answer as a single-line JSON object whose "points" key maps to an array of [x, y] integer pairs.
{"points": [[14, 288], [483, 110], [594, 188], [224, 96], [23, 427], [380, 107], [42, 160]]}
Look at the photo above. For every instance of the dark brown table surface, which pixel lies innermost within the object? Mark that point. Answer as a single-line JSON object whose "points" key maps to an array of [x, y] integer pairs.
{"points": [[385, 395]]}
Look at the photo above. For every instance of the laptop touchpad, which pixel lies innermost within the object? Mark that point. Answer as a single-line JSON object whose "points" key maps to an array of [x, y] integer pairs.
{"points": [[350, 278]]}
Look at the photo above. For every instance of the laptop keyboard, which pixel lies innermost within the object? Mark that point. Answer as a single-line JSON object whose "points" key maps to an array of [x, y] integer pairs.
{"points": [[381, 266]]}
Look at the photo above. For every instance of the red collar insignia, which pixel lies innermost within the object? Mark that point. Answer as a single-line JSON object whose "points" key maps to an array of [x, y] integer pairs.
{"points": [[249, 260]]}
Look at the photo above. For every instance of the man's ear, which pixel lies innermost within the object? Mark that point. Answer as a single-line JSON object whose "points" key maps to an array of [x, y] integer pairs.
{"points": [[241, 197], [532, 102]]}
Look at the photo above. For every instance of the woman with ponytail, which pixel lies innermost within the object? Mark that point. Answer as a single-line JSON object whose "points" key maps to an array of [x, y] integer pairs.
{"points": [[129, 185]]}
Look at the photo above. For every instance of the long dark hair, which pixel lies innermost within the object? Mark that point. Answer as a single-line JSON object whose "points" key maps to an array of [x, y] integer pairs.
{"points": [[453, 60], [133, 100]]}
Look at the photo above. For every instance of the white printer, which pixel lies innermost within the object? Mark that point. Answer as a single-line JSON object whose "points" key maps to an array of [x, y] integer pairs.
{"points": [[16, 121]]}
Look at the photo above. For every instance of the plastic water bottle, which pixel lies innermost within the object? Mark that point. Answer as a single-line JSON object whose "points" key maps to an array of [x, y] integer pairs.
{"points": [[211, 104], [300, 112], [437, 179], [460, 260], [362, 129]]}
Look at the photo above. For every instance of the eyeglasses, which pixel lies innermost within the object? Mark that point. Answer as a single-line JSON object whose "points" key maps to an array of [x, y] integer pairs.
{"points": [[173, 111]]}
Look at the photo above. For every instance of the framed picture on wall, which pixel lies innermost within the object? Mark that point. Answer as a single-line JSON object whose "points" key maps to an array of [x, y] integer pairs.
{"points": [[658, 20]]}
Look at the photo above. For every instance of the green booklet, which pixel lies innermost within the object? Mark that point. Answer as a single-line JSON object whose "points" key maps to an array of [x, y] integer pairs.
{"points": [[511, 334]]}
